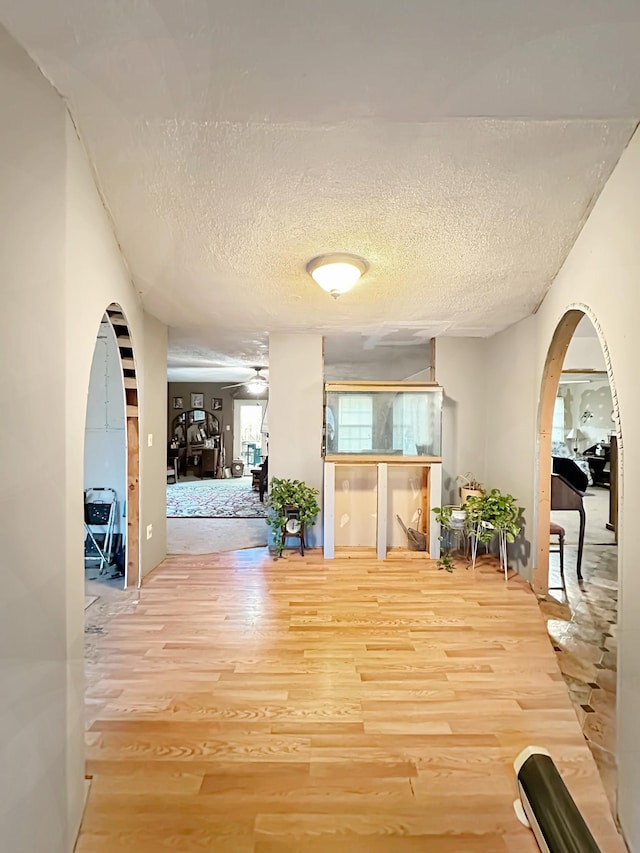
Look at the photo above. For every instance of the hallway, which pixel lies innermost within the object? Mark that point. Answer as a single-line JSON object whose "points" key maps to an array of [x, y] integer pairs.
{"points": [[252, 705]]}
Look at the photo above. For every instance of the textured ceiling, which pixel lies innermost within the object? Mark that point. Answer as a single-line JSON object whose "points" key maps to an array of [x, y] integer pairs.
{"points": [[234, 141]]}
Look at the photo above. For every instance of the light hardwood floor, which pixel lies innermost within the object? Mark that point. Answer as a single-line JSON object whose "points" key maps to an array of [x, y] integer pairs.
{"points": [[302, 705]]}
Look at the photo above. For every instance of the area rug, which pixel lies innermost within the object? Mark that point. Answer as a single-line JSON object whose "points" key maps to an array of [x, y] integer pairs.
{"points": [[214, 499]]}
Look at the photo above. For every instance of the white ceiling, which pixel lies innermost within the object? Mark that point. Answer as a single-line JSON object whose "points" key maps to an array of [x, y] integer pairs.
{"points": [[457, 146]]}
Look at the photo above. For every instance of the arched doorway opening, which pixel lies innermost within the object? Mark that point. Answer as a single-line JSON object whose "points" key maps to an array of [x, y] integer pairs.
{"points": [[553, 367], [580, 467], [112, 456]]}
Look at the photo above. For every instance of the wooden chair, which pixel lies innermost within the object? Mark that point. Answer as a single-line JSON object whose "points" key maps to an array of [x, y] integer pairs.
{"points": [[564, 496], [558, 530]]}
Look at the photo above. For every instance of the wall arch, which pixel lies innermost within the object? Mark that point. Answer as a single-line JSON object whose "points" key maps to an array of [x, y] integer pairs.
{"points": [[120, 326], [562, 336], [128, 371]]}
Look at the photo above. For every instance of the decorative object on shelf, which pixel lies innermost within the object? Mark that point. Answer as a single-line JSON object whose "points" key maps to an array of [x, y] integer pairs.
{"points": [[178, 403], [216, 404], [338, 272], [469, 486], [197, 401], [289, 501], [574, 436]]}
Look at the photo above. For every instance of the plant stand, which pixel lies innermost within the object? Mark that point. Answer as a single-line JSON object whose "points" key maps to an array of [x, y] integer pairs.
{"points": [[502, 549], [291, 534], [502, 544]]}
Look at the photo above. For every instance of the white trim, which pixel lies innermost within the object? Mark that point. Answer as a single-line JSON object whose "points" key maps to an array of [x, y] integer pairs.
{"points": [[329, 511], [381, 537], [435, 499]]}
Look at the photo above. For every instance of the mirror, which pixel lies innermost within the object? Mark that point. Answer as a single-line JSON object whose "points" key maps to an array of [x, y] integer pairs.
{"points": [[194, 427]]}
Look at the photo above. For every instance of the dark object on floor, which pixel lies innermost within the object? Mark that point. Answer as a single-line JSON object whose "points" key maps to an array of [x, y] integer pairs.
{"points": [[172, 470], [260, 477], [566, 497], [558, 530], [547, 807], [613, 486], [416, 540], [119, 561]]}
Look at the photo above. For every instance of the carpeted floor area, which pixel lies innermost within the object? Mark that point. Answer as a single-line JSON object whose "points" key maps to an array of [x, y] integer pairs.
{"points": [[232, 498], [212, 535]]}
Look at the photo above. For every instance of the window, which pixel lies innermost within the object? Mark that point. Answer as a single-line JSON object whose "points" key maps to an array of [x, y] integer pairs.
{"points": [[557, 433], [355, 423]]}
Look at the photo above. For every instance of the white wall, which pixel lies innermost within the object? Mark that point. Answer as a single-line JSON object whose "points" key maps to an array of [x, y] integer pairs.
{"points": [[462, 372], [354, 357], [584, 353], [510, 426], [153, 461], [601, 275], [296, 392], [105, 439], [591, 396], [60, 267]]}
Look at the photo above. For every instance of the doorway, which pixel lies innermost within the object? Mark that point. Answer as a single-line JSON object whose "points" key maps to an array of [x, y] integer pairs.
{"points": [[249, 439], [579, 487], [111, 459]]}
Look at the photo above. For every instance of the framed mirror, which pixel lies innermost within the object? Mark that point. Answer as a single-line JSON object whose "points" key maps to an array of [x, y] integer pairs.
{"points": [[194, 427]]}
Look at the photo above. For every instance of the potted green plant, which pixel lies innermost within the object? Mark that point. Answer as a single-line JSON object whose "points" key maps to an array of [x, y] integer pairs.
{"points": [[483, 517], [494, 514], [452, 521], [286, 494]]}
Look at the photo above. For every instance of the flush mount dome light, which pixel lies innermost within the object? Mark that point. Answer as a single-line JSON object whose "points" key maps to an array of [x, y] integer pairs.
{"points": [[337, 273]]}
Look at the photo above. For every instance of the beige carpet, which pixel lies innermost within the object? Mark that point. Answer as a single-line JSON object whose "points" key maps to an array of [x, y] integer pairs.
{"points": [[212, 535]]}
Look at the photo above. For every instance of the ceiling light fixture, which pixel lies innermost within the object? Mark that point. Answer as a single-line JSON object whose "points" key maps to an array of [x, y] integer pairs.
{"points": [[255, 386], [337, 273]]}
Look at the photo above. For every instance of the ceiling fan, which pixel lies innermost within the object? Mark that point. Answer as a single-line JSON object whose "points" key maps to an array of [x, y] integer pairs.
{"points": [[254, 385]]}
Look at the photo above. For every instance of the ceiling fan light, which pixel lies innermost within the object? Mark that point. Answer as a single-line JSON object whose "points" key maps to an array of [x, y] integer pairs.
{"points": [[337, 273], [255, 386]]}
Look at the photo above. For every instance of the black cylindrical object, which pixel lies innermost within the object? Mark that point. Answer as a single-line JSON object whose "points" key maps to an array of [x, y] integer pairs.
{"points": [[552, 814]]}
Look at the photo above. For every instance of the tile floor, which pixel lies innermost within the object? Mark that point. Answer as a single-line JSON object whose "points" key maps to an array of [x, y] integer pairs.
{"points": [[582, 625]]}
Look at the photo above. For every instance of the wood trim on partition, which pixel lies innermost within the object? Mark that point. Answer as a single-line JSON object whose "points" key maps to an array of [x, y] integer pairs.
{"points": [[425, 501], [132, 576], [549, 390], [590, 370], [382, 386], [374, 459], [130, 386]]}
